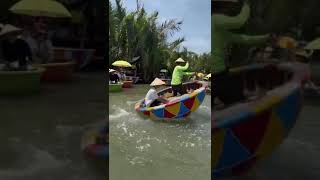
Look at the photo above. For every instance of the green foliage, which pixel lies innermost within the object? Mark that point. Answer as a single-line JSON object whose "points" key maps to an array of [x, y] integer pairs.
{"points": [[139, 34]]}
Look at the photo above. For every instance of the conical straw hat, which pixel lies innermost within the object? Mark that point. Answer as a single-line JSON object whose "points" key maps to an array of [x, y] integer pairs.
{"points": [[157, 82], [112, 70], [180, 60], [6, 29]]}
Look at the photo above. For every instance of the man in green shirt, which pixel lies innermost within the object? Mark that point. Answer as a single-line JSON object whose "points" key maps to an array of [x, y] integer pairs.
{"points": [[177, 75], [223, 22]]}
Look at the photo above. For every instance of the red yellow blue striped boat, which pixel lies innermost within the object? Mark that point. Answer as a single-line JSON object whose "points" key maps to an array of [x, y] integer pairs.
{"points": [[247, 132], [178, 108]]}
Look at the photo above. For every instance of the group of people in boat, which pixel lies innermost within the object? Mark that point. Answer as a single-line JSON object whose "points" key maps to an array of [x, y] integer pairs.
{"points": [[224, 22], [116, 77], [20, 47], [153, 99]]}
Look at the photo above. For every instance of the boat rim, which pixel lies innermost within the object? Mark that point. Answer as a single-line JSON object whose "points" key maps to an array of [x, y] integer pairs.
{"points": [[242, 111], [193, 94]]}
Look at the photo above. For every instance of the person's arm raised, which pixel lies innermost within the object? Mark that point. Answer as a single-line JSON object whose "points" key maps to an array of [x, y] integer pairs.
{"points": [[185, 67], [229, 22]]}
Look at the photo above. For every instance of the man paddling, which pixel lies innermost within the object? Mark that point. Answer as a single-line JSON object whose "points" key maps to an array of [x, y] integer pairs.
{"points": [[177, 75], [223, 21]]}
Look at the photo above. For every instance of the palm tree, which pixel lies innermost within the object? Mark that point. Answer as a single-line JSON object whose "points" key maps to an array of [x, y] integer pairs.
{"points": [[133, 34]]}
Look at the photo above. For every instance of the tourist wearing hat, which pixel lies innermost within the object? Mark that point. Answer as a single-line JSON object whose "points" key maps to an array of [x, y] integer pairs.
{"points": [[303, 56], [113, 77], [13, 47], [177, 75], [152, 98]]}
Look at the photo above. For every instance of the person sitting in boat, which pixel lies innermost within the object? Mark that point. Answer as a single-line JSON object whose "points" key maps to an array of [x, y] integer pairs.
{"points": [[152, 98], [113, 77], [223, 22], [43, 49], [14, 48], [123, 76], [177, 75], [28, 36], [303, 56]]}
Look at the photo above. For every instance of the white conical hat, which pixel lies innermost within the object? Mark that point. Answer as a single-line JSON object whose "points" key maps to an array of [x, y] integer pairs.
{"points": [[180, 60], [157, 82], [8, 28], [112, 70]]}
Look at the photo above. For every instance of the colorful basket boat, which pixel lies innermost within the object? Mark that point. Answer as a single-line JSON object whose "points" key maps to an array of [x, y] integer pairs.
{"points": [[177, 109], [127, 84], [82, 57], [95, 143], [58, 72], [115, 87], [20, 82], [247, 132]]}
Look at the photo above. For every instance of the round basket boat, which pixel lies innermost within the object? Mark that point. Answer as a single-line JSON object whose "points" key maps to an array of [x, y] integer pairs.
{"points": [[177, 108], [95, 143], [115, 87], [127, 84], [20, 82], [58, 72], [81, 57], [246, 132]]}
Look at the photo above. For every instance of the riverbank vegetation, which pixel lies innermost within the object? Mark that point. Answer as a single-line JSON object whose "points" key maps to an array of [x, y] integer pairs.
{"points": [[140, 38]]}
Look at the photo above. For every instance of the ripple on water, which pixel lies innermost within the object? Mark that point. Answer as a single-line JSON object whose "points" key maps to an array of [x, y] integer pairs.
{"points": [[180, 148], [32, 160]]}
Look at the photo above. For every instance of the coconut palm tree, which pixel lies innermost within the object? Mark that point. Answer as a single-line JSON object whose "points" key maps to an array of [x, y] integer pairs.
{"points": [[139, 34]]}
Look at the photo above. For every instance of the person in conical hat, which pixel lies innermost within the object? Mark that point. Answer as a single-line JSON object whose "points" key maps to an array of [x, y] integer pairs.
{"points": [[152, 98], [177, 75], [14, 48], [225, 20], [113, 77]]}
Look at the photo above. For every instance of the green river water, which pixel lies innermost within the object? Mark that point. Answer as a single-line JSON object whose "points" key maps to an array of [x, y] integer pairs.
{"points": [[145, 149], [40, 135], [40, 138]]}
